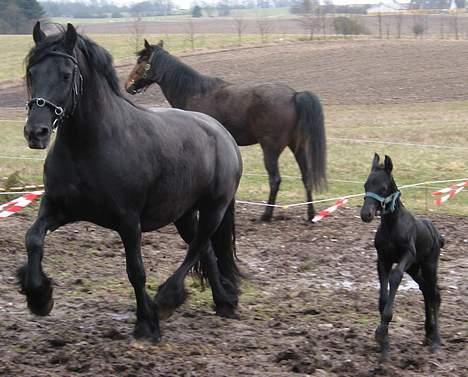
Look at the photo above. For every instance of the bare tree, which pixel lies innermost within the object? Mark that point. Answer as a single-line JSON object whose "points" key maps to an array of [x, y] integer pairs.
{"points": [[265, 27], [379, 19], [399, 24], [455, 25], [309, 23], [240, 24], [137, 29], [190, 32]]}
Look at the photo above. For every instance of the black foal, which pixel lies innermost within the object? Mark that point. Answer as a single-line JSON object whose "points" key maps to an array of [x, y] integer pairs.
{"points": [[410, 243]]}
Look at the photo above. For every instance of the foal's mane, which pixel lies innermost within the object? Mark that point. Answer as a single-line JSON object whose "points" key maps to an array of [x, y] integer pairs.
{"points": [[184, 80], [97, 58]]}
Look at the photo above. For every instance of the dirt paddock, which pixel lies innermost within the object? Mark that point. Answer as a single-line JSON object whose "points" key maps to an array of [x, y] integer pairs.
{"points": [[309, 305], [309, 302]]}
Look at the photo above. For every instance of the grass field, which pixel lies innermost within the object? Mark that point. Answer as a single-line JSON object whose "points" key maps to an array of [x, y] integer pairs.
{"points": [[347, 161], [13, 48]]}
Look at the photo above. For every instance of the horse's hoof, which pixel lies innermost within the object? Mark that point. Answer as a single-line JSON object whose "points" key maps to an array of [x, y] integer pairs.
{"points": [[435, 346], [146, 331], [41, 310], [227, 311]]}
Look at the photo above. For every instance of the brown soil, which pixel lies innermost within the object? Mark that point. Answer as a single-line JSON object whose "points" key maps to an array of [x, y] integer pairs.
{"points": [[340, 72], [308, 308]]}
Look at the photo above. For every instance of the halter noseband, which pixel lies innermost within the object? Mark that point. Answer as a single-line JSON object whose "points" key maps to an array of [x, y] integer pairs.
{"points": [[147, 68], [388, 203], [77, 90]]}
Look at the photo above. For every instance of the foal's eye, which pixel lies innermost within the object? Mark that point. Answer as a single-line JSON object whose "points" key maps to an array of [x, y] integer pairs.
{"points": [[66, 76]]}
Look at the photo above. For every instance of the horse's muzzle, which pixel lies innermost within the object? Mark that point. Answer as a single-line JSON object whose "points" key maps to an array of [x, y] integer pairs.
{"points": [[38, 136]]}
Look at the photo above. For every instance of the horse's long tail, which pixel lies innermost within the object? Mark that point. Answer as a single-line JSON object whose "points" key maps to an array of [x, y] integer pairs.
{"points": [[438, 239], [224, 245], [311, 138]]}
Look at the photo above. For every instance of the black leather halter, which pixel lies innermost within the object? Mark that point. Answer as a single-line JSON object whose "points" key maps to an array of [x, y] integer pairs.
{"points": [[76, 91]]}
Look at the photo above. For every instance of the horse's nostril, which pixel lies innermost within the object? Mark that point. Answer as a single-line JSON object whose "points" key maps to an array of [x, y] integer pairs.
{"points": [[42, 131]]}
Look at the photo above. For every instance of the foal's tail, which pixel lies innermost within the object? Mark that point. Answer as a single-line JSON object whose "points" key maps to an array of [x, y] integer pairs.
{"points": [[224, 245], [311, 138]]}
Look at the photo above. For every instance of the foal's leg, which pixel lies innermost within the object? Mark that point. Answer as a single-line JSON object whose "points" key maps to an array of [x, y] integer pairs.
{"points": [[270, 158], [33, 281], [395, 277], [429, 274], [383, 268], [302, 162], [147, 325]]}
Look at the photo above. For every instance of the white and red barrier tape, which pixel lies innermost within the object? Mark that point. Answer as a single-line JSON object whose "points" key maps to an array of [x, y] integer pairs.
{"points": [[449, 192], [18, 204], [326, 212]]}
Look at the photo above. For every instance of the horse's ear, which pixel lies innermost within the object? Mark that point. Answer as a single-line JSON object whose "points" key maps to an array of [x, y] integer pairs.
{"points": [[388, 164], [38, 34], [147, 45], [375, 161], [161, 43], [70, 38]]}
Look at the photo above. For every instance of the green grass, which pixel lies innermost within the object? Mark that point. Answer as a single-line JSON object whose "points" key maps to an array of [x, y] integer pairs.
{"points": [[431, 123], [13, 48]]}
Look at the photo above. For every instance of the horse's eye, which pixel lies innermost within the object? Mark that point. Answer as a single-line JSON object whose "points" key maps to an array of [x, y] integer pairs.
{"points": [[66, 76]]}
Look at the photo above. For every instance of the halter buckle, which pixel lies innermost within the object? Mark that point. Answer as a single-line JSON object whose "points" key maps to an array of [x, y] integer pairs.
{"points": [[40, 102], [58, 111]]}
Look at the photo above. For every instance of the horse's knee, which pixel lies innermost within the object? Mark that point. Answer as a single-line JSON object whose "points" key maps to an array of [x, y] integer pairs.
{"points": [[33, 240], [136, 276]]}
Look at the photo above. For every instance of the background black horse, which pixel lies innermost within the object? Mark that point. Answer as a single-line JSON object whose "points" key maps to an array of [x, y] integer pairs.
{"points": [[273, 115], [410, 243], [130, 170]]}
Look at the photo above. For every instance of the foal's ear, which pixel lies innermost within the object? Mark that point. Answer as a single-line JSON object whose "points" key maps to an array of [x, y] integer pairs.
{"points": [[388, 164], [375, 161], [70, 38], [161, 43], [147, 45], [38, 34]]}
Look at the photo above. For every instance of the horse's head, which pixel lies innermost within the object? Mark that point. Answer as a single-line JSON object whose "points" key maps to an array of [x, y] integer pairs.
{"points": [[381, 191], [141, 75], [54, 84]]}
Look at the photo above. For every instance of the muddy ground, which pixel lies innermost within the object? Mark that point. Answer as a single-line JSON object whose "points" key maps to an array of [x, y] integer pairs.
{"points": [[308, 307]]}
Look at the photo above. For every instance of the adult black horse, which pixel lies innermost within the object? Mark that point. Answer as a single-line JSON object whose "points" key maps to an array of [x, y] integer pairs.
{"points": [[273, 115], [129, 170]]}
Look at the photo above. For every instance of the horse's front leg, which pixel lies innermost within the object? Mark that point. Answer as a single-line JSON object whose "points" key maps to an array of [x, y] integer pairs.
{"points": [[33, 281], [147, 325], [395, 277], [383, 269]]}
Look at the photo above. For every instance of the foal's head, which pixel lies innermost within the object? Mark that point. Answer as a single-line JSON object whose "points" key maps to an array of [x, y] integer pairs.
{"points": [[54, 83], [381, 191], [140, 76]]}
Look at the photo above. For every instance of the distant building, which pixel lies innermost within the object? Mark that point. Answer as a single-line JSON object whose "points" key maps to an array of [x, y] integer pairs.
{"points": [[390, 6]]}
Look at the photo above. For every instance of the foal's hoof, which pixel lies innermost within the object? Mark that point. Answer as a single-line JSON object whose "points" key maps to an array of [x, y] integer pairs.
{"points": [[227, 311], [147, 331]]}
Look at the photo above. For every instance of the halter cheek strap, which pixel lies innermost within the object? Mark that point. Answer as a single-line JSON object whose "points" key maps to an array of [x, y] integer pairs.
{"points": [[388, 203]]}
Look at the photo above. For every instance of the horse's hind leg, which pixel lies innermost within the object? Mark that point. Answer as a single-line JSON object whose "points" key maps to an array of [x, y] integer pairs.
{"points": [[270, 158], [33, 281], [302, 162], [147, 325], [170, 293]]}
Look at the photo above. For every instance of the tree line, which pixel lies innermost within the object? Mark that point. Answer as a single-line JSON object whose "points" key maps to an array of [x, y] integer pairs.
{"points": [[18, 16]]}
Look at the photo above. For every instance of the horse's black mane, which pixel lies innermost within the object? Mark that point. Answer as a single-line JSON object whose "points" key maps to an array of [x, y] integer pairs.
{"points": [[98, 59], [185, 81]]}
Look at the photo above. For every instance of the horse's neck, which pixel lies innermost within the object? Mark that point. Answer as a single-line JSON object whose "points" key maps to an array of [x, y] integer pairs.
{"points": [[181, 82], [92, 119], [389, 220]]}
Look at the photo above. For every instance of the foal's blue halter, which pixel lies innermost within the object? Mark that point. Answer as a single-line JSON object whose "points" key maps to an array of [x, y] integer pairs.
{"points": [[388, 203]]}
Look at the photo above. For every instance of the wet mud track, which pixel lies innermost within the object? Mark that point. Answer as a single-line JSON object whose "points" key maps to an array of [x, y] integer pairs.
{"points": [[309, 305]]}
